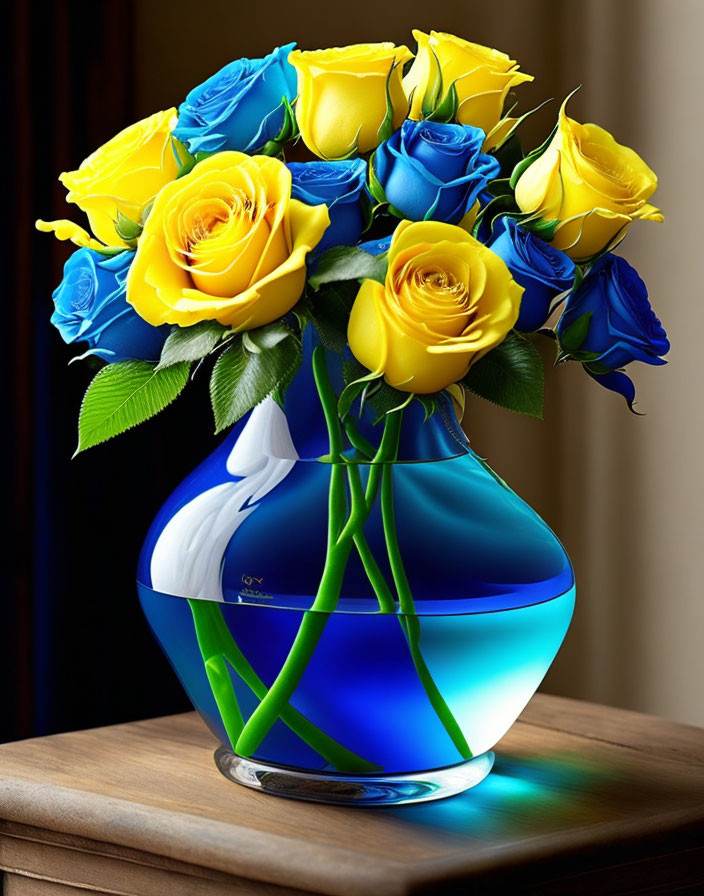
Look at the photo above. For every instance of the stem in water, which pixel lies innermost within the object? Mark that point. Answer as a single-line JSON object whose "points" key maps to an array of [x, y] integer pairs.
{"points": [[217, 647], [409, 620], [338, 551], [341, 538]]}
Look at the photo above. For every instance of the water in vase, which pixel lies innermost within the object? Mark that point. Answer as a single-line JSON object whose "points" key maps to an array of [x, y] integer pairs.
{"points": [[238, 555], [362, 687]]}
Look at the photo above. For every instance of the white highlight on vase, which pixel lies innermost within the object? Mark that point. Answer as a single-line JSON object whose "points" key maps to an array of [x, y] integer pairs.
{"points": [[188, 556]]}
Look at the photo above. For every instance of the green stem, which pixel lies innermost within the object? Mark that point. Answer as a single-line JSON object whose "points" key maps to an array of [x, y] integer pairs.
{"points": [[409, 620], [357, 440], [398, 571], [217, 645], [376, 577], [384, 454], [315, 619], [337, 501], [361, 506], [359, 510], [309, 633], [209, 643], [411, 627], [341, 537], [221, 686]]}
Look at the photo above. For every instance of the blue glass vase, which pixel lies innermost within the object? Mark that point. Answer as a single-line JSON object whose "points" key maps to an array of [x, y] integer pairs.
{"points": [[358, 609]]}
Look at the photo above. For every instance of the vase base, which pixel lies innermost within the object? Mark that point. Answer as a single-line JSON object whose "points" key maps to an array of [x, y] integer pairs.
{"points": [[353, 790]]}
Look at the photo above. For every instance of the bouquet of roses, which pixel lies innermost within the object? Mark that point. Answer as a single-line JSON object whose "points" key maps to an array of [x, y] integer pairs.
{"points": [[417, 236]]}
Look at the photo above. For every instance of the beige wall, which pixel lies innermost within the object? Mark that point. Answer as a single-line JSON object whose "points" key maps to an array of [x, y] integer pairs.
{"points": [[624, 493]]}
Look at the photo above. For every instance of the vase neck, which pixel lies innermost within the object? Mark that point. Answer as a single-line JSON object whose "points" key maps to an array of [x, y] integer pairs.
{"points": [[436, 438]]}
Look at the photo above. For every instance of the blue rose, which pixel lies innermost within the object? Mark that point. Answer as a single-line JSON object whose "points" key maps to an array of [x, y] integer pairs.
{"points": [[608, 322], [239, 107], [340, 185], [538, 267], [377, 247], [90, 306], [432, 171]]}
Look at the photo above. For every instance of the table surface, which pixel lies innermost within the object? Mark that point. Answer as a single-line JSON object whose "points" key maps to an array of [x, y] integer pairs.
{"points": [[582, 798]]}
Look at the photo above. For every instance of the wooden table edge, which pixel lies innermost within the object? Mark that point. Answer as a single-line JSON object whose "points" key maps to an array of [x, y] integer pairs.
{"points": [[543, 710], [277, 859], [684, 828], [228, 848]]}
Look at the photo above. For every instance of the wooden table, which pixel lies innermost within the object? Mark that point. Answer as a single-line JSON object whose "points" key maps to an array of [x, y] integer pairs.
{"points": [[582, 799]]}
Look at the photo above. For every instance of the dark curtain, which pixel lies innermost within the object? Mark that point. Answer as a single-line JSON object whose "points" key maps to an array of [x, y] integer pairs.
{"points": [[74, 649]]}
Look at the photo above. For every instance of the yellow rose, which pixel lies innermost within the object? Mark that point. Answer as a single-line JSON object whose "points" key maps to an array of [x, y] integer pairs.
{"points": [[342, 96], [225, 242], [123, 176], [482, 77], [589, 183], [447, 301], [67, 230], [499, 133]]}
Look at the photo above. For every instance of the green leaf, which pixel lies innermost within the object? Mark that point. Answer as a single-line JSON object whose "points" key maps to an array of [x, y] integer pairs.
{"points": [[289, 130], [144, 214], [377, 392], [495, 208], [125, 394], [508, 154], [433, 91], [598, 368], [241, 379], [511, 375], [583, 357], [185, 161], [329, 310], [382, 397], [373, 184], [544, 229], [446, 110], [397, 213], [352, 370], [510, 103], [386, 399], [429, 402], [109, 251], [386, 128], [191, 343], [268, 336], [500, 187], [348, 263], [524, 164], [572, 339], [279, 393], [349, 395], [356, 387], [127, 229]]}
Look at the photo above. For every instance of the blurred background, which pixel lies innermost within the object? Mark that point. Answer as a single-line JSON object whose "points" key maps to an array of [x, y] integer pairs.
{"points": [[624, 493]]}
